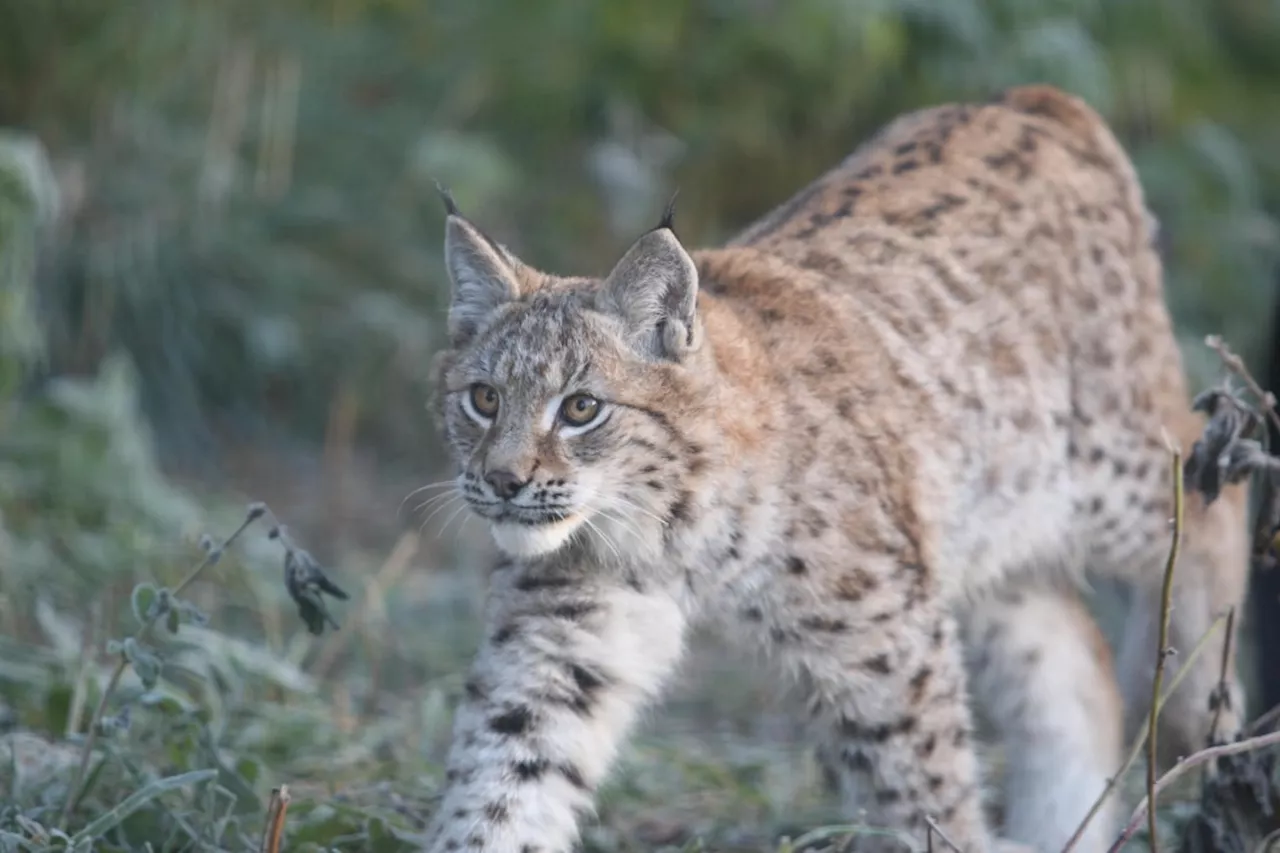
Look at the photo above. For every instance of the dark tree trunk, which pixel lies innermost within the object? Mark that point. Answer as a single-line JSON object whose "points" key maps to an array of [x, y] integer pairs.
{"points": [[1264, 584]]}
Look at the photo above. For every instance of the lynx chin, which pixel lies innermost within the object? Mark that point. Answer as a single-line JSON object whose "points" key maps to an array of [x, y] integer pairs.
{"points": [[882, 438]]}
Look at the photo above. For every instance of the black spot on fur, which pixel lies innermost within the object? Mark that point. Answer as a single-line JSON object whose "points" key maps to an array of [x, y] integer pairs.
{"points": [[879, 733], [530, 769], [574, 611], [680, 511], [517, 721], [475, 692], [779, 635], [824, 624], [504, 634], [573, 775], [918, 683], [588, 684], [878, 664], [796, 566], [947, 201], [496, 812], [530, 582], [905, 166], [753, 614], [857, 760]]}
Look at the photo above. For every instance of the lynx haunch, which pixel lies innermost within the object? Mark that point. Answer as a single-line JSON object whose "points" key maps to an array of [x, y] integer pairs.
{"points": [[881, 437]]}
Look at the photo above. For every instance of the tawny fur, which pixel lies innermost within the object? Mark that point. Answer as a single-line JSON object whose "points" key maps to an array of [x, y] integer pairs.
{"points": [[885, 433]]}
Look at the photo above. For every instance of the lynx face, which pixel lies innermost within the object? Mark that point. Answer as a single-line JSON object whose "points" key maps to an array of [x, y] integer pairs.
{"points": [[557, 393]]}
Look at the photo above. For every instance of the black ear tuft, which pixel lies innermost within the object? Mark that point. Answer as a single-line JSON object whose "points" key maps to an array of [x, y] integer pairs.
{"points": [[450, 206], [669, 214]]}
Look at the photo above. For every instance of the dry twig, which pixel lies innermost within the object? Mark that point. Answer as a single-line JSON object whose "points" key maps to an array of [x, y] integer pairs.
{"points": [[276, 810], [933, 830], [1194, 760], [1236, 365], [1162, 649], [1263, 721], [1222, 695]]}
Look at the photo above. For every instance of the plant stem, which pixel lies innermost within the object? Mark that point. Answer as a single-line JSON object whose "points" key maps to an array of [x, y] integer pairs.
{"points": [[255, 512], [1236, 365], [1194, 760], [1162, 650]]}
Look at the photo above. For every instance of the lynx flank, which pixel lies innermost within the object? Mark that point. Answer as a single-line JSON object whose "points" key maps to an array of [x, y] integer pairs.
{"points": [[885, 433]]}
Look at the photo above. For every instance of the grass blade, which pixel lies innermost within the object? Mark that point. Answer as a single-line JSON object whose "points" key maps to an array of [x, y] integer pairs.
{"points": [[110, 819]]}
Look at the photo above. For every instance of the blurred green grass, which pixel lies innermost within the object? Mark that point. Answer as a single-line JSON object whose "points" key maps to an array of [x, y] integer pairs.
{"points": [[220, 281]]}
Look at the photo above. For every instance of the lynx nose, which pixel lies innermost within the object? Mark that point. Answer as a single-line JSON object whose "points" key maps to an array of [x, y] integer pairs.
{"points": [[505, 484]]}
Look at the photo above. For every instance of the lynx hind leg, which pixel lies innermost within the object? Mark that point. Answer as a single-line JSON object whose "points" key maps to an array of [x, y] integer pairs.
{"points": [[1210, 578], [1042, 675], [890, 709]]}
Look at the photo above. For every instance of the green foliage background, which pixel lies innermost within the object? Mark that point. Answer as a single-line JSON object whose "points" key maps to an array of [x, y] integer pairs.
{"points": [[219, 241]]}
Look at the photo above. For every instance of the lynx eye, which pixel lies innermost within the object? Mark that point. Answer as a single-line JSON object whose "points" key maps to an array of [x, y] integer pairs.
{"points": [[484, 399], [579, 410]]}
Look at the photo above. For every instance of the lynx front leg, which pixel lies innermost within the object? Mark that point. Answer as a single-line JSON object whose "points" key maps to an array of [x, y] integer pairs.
{"points": [[565, 667], [888, 698]]}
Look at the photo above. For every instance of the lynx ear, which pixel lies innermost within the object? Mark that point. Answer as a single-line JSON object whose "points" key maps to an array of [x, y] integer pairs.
{"points": [[654, 290], [483, 275]]}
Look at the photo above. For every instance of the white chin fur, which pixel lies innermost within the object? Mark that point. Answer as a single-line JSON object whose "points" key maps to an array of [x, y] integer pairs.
{"points": [[519, 540]]}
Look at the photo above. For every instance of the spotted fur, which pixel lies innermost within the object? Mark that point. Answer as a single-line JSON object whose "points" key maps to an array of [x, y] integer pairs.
{"points": [[881, 437]]}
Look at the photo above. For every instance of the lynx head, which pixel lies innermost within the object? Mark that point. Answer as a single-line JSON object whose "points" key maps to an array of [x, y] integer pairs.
{"points": [[563, 399]]}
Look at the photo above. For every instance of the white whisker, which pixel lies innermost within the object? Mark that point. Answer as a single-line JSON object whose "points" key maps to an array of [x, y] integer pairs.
{"points": [[628, 503], [603, 536], [437, 509], [615, 515], [449, 520], [439, 484], [462, 526], [429, 501]]}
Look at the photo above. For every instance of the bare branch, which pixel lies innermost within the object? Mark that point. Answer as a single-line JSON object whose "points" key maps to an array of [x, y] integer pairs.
{"points": [[1194, 760]]}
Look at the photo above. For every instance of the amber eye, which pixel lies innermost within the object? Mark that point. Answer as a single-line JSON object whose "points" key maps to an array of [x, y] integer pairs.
{"points": [[580, 409], [484, 399]]}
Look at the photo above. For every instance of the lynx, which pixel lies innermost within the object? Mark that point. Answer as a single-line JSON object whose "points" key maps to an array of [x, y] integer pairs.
{"points": [[883, 438]]}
